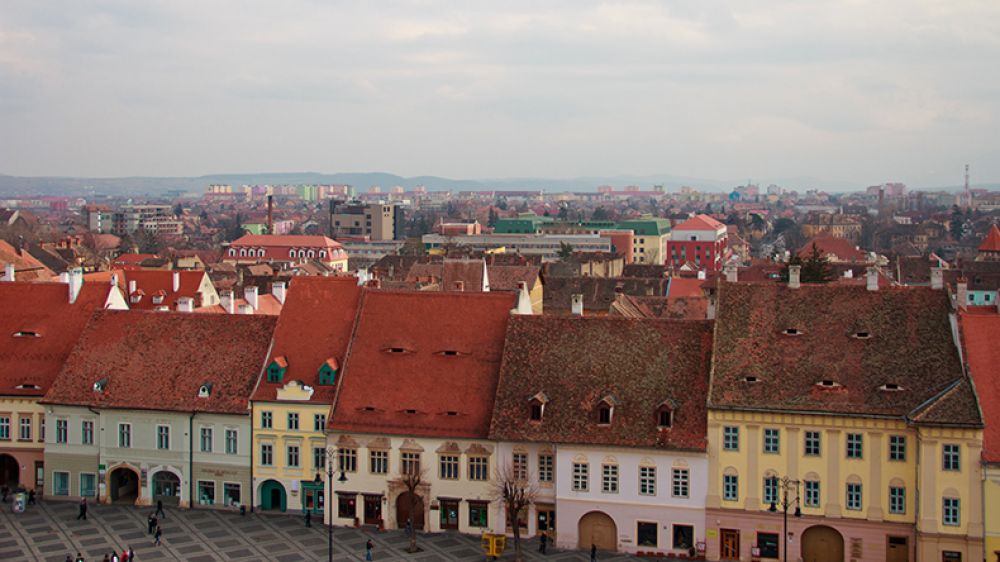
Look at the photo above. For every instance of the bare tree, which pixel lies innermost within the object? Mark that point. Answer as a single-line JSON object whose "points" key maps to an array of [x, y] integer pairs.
{"points": [[411, 480], [517, 490]]}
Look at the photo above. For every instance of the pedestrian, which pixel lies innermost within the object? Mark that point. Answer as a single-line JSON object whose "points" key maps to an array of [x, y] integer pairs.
{"points": [[83, 510], [107, 558], [131, 554], [409, 526], [114, 557], [31, 497], [69, 558], [4, 490], [150, 524], [308, 518], [125, 556], [159, 509], [80, 558], [156, 536], [543, 541], [368, 550], [593, 552]]}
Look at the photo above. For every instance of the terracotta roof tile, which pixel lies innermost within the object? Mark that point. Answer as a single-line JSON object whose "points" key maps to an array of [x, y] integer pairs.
{"points": [[700, 222], [992, 241], [161, 282], [843, 249], [980, 334], [578, 361]]}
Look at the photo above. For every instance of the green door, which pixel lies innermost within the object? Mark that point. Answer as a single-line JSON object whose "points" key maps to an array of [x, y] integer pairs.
{"points": [[272, 496]]}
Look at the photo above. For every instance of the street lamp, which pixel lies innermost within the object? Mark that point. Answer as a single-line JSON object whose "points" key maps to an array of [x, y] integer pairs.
{"points": [[331, 457], [787, 484]]}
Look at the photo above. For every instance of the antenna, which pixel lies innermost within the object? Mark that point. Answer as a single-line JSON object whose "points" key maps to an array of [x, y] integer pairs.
{"points": [[968, 194]]}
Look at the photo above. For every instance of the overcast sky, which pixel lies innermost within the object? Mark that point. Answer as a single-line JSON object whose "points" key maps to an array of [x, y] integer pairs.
{"points": [[860, 91]]}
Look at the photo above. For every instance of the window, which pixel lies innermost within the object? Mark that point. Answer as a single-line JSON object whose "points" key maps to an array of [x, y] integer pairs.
{"points": [[163, 437], [604, 413], [292, 455], [478, 468], [410, 463], [449, 467], [41, 428], [206, 440], [730, 487], [124, 435], [683, 537], [545, 467], [87, 432], [951, 457], [897, 447], [609, 478], [231, 491], [24, 433], [535, 410], [812, 443], [62, 431], [646, 533], [811, 493], [772, 440], [88, 485], [855, 443], [897, 499], [232, 448], [347, 460], [319, 422], [275, 372], [266, 454], [378, 462], [770, 489], [479, 514], [206, 492], [680, 483], [647, 480], [293, 421], [5, 428], [731, 438], [266, 420], [952, 513], [854, 496], [520, 466], [60, 483], [581, 477], [768, 545], [664, 417], [347, 506], [319, 458]]}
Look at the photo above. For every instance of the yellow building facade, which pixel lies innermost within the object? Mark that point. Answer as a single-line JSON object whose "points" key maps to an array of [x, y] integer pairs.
{"points": [[22, 442], [991, 501]]}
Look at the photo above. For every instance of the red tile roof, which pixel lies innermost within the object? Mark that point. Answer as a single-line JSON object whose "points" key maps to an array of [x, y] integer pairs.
{"points": [[843, 249], [44, 309], [423, 363], [992, 241], [907, 342], [980, 335], [26, 266], [685, 287], [576, 362], [159, 360], [700, 222], [160, 282]]}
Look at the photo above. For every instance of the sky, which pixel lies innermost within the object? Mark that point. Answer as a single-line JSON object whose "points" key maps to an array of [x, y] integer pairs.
{"points": [[861, 92]]}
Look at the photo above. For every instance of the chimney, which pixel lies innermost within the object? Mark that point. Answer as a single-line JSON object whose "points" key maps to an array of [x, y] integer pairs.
{"points": [[64, 277], [177, 281], [227, 302], [75, 283], [185, 304], [375, 283], [250, 294], [270, 214], [246, 309], [523, 299], [962, 293], [8, 272], [710, 307], [871, 275], [794, 273], [114, 279], [278, 290], [937, 278], [332, 207], [577, 305], [731, 272], [701, 274], [459, 285], [131, 286]]}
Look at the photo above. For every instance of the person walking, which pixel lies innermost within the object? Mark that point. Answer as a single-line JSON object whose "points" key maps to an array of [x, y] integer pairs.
{"points": [[159, 509], [157, 535], [131, 554], [114, 557], [83, 510], [543, 542], [69, 558], [593, 552], [308, 518], [31, 497], [106, 558], [80, 558], [150, 524], [368, 550], [125, 556]]}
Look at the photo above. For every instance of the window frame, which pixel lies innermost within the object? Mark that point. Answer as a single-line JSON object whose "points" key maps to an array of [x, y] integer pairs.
{"points": [[772, 441], [647, 480], [812, 439], [897, 448], [810, 488], [951, 457], [378, 461], [581, 477], [62, 431], [124, 435], [955, 510], [449, 466], [730, 438], [610, 480], [478, 468], [897, 494], [855, 446], [730, 487], [854, 490], [162, 437], [680, 483], [209, 432], [546, 467]]}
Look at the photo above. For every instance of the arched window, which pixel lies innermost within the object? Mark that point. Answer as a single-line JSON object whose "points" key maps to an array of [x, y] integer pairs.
{"points": [[243, 252], [260, 252], [665, 415], [311, 253], [605, 410], [232, 251], [322, 253], [291, 253]]}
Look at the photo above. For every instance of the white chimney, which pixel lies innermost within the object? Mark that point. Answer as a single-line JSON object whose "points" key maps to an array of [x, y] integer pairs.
{"points": [[177, 281], [459, 285], [8, 272], [227, 302], [246, 309], [64, 277], [937, 278], [848, 274], [185, 304], [114, 279], [577, 305], [131, 286], [523, 299], [250, 295], [961, 294], [731, 272], [872, 278], [278, 290], [710, 307], [794, 274], [701, 274], [75, 283]]}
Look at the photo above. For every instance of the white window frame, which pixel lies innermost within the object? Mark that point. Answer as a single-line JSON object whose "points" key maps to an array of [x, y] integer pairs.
{"points": [[162, 437], [208, 431], [609, 478], [124, 435], [235, 449], [647, 480], [581, 477]]}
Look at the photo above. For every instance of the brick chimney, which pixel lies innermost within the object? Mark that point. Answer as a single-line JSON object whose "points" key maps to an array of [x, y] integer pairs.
{"points": [[131, 286], [459, 285], [250, 294], [962, 294], [794, 274], [9, 272], [731, 272], [246, 309], [278, 289], [177, 281], [577, 305], [75, 283], [185, 304], [227, 301], [937, 278], [871, 276]]}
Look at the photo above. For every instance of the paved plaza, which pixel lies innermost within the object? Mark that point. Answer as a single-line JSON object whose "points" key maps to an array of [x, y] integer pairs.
{"points": [[50, 531]]}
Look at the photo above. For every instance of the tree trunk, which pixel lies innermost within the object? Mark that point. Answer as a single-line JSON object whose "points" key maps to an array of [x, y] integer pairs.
{"points": [[515, 525], [413, 526]]}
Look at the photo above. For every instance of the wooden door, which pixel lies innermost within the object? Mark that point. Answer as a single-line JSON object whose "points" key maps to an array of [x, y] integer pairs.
{"points": [[729, 544], [449, 514], [822, 544], [598, 529], [897, 550], [373, 510]]}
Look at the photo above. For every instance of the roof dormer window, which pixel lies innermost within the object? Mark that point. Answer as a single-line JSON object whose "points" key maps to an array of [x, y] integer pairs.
{"points": [[605, 410], [205, 390], [891, 387], [276, 370], [395, 350], [664, 417], [28, 386], [328, 372], [751, 379], [449, 353], [536, 406], [101, 385], [792, 332], [157, 299], [861, 335], [451, 413], [409, 411], [27, 334], [828, 383]]}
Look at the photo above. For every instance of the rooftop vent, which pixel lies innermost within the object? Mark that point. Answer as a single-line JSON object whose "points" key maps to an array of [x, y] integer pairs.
{"points": [[827, 383], [792, 332], [891, 387], [750, 378], [28, 386], [27, 334], [862, 335], [451, 413], [396, 350], [410, 411], [449, 353], [205, 390], [369, 408], [101, 385]]}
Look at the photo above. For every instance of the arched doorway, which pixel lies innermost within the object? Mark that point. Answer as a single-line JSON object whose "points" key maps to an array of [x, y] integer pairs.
{"points": [[272, 495], [822, 544], [124, 485], [403, 504], [166, 487], [597, 528], [10, 472]]}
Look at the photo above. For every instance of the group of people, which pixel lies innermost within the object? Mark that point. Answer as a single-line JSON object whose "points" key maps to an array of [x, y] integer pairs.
{"points": [[153, 523], [126, 556], [5, 493]]}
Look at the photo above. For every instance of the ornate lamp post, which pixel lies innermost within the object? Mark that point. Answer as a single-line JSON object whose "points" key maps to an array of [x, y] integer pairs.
{"points": [[331, 457], [786, 485]]}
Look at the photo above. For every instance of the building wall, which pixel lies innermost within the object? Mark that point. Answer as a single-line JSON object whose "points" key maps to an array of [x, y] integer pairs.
{"points": [[546, 498], [991, 501], [307, 437], [25, 452]]}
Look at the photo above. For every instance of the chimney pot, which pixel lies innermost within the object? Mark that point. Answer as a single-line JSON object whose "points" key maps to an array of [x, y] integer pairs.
{"points": [[523, 299], [794, 276], [75, 283], [177, 281], [937, 278], [131, 286], [577, 305], [962, 294], [872, 278]]}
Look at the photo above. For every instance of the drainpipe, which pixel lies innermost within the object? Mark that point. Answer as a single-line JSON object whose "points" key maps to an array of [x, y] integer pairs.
{"points": [[100, 445], [191, 461]]}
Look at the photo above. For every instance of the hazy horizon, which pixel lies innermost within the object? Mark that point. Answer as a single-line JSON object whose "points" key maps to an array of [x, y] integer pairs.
{"points": [[845, 92]]}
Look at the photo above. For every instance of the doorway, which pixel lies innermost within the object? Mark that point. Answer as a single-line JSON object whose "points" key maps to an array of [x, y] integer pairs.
{"points": [[822, 544], [729, 544], [404, 503], [449, 514], [124, 485], [10, 472], [373, 509], [166, 488], [545, 520], [897, 550], [272, 496], [598, 529]]}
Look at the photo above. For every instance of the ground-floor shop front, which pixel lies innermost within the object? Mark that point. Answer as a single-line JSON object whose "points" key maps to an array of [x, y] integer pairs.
{"points": [[650, 529], [22, 468]]}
